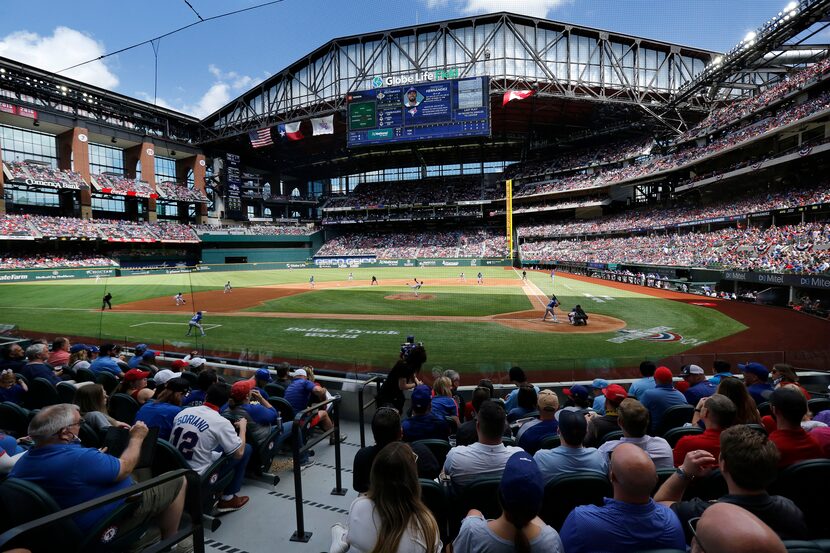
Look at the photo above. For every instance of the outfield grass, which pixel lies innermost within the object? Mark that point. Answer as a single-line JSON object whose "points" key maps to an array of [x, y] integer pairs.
{"points": [[72, 308]]}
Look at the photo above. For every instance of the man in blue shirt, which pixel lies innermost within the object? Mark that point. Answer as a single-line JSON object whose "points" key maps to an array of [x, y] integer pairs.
{"points": [[517, 377], [299, 393], [37, 366], [161, 412], [195, 322], [532, 433], [570, 457], [72, 474], [597, 386], [723, 369], [631, 521], [204, 380], [755, 378], [661, 397], [699, 387], [106, 362], [138, 351], [639, 387], [423, 424]]}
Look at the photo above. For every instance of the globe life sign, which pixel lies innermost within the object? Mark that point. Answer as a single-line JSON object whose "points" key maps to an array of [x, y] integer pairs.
{"points": [[415, 78]]}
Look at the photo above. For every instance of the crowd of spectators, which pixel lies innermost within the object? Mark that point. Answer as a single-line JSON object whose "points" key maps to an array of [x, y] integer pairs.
{"points": [[179, 192], [404, 214], [736, 111], [565, 204], [430, 191], [122, 186], [656, 217], [582, 158], [258, 229], [682, 156], [23, 170], [14, 261], [798, 248], [399, 245], [40, 226]]}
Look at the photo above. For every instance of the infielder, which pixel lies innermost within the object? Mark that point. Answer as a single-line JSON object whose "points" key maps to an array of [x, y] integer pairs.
{"points": [[195, 322], [228, 288], [179, 299], [462, 277], [551, 307], [480, 278], [524, 276], [351, 276], [311, 281], [106, 301], [374, 280]]}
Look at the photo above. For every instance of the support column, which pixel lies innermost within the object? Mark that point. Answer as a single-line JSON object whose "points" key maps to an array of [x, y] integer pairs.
{"points": [[2, 187], [146, 154], [73, 155], [197, 164]]}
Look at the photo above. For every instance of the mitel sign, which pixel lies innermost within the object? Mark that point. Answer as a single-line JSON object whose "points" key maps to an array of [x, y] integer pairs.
{"points": [[415, 78]]}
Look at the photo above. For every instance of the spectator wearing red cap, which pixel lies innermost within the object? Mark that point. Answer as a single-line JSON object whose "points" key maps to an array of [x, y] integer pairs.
{"points": [[161, 412], [599, 427], [135, 386], [179, 365], [717, 413], [661, 397]]}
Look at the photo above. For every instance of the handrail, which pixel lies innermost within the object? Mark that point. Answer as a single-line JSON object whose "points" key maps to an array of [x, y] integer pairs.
{"points": [[301, 420], [193, 504], [362, 408]]}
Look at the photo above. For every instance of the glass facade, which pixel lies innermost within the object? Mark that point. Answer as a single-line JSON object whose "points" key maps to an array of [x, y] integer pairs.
{"points": [[22, 144], [107, 203], [165, 169], [339, 184], [105, 159], [32, 197]]}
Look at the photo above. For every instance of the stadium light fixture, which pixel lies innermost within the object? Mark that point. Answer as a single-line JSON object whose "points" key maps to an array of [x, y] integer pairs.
{"points": [[792, 6]]}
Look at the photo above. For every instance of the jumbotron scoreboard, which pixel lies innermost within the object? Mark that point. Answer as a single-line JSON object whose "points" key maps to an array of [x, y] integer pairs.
{"points": [[420, 111]]}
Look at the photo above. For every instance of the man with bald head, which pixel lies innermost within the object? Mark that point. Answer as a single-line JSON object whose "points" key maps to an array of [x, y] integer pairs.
{"points": [[727, 528], [631, 521]]}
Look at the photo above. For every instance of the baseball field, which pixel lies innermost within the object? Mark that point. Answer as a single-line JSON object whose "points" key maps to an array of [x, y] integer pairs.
{"points": [[352, 325]]}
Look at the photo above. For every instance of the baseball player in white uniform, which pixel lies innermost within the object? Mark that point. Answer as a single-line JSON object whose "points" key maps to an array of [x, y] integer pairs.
{"points": [[417, 286], [179, 299], [228, 288]]}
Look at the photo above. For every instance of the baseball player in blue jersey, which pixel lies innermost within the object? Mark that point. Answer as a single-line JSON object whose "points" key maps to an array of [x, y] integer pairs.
{"points": [[195, 322], [551, 308]]}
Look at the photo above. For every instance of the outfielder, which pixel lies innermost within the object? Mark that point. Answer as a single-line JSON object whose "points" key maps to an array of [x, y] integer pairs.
{"points": [[480, 278], [195, 322], [228, 288], [462, 277], [374, 280], [311, 281], [351, 276]]}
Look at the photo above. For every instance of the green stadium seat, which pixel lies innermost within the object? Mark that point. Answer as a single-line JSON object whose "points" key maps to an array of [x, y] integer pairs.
{"points": [[274, 390], [673, 436], [439, 448], [84, 375], [42, 393], [674, 417], [818, 404], [123, 408], [808, 484], [802, 546], [434, 496], [14, 419], [108, 380], [566, 492], [66, 392], [550, 442], [611, 436]]}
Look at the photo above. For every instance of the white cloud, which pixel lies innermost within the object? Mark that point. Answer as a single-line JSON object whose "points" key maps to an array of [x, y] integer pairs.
{"points": [[65, 47], [226, 86], [534, 8]]}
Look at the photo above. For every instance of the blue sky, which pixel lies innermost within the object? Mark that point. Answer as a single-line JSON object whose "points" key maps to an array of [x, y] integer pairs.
{"points": [[202, 68]]}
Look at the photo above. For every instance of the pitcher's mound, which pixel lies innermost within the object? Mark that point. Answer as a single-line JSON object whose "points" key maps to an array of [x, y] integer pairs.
{"points": [[410, 297]]}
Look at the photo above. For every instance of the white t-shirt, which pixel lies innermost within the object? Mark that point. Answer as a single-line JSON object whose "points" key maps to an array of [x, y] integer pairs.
{"points": [[364, 524], [198, 432], [467, 463]]}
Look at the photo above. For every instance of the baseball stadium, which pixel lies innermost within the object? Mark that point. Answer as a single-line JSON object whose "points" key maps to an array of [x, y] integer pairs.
{"points": [[490, 201]]}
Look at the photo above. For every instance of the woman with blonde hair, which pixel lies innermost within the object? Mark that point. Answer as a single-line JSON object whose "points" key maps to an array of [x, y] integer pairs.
{"points": [[443, 405], [91, 400], [391, 518]]}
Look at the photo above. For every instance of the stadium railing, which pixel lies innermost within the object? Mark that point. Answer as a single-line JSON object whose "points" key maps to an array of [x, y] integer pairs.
{"points": [[302, 425], [378, 380]]}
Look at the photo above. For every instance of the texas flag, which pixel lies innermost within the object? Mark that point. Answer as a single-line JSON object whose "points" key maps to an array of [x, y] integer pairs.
{"points": [[291, 131], [516, 95]]}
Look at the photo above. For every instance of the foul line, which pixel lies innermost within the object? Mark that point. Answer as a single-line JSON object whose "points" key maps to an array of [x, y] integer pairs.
{"points": [[532, 291]]}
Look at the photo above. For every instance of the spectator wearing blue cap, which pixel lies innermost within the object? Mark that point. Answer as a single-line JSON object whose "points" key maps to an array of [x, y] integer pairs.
{"points": [[424, 424], [148, 362], [138, 351], [578, 396], [261, 378], [519, 527], [597, 386], [78, 357], [631, 521], [755, 377], [570, 457]]}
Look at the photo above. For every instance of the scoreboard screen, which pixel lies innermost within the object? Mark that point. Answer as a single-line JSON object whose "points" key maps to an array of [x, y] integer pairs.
{"points": [[422, 111]]}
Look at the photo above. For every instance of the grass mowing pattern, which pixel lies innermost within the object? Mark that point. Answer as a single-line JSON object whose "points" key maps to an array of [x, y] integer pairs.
{"points": [[71, 307]]}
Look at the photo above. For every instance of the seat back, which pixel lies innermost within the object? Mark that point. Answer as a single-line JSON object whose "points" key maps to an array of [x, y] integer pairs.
{"points": [[818, 404], [89, 436], [708, 488], [42, 393], [108, 380], [551, 442], [765, 409], [282, 405], [675, 417], [435, 498], [215, 479], [662, 476], [802, 546], [274, 389], [66, 392], [123, 408], [673, 436], [758, 428], [565, 493], [439, 448], [21, 502], [84, 375], [808, 484], [611, 436], [481, 494], [14, 419]]}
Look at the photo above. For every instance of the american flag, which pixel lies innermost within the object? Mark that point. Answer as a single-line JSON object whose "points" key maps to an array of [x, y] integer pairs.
{"points": [[261, 138]]}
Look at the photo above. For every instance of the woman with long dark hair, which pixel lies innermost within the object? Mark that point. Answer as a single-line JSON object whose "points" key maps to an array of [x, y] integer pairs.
{"points": [[519, 527], [391, 518], [746, 410]]}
